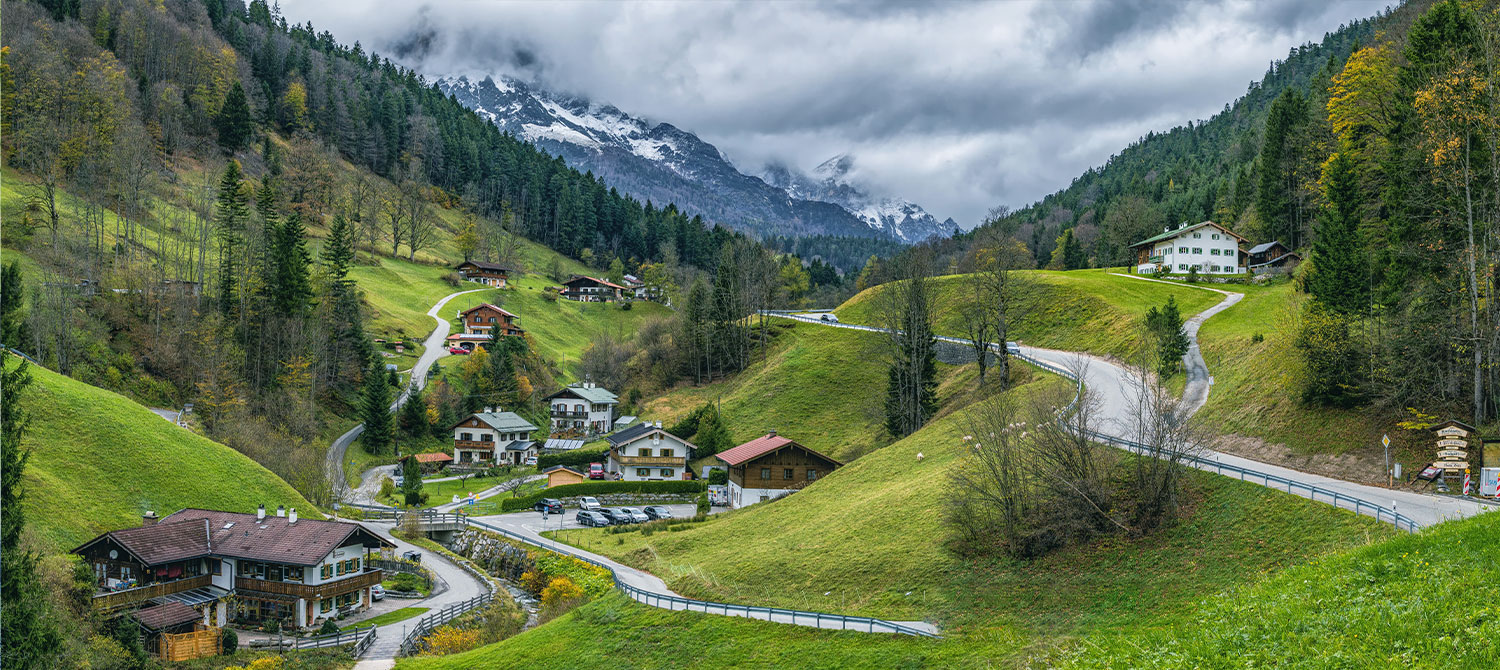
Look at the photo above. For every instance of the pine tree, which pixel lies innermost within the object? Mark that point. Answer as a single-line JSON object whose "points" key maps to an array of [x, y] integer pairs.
{"points": [[414, 414], [411, 482], [291, 293], [12, 323], [31, 639], [502, 378], [1282, 157], [338, 249], [234, 123], [1338, 277], [713, 437], [1069, 253], [375, 409], [231, 212], [1165, 325]]}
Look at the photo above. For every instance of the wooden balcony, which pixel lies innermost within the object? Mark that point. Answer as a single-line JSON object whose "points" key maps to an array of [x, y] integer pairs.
{"points": [[346, 584], [112, 600], [651, 461], [474, 445], [569, 414]]}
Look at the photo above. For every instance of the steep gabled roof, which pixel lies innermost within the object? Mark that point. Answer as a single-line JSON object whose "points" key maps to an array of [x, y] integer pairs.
{"points": [[761, 446], [496, 267], [596, 280], [631, 434], [1187, 229], [484, 305], [1263, 247], [162, 542], [498, 421], [195, 533], [561, 468], [593, 394]]}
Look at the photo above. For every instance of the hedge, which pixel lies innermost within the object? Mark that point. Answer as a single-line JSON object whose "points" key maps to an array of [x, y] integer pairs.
{"points": [[573, 459], [601, 488]]}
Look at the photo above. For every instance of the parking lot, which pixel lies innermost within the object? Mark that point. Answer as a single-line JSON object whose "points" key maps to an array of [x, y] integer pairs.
{"points": [[534, 523]]}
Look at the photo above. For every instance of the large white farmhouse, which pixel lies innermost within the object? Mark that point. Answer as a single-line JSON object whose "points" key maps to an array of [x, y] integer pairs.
{"points": [[1207, 246]]}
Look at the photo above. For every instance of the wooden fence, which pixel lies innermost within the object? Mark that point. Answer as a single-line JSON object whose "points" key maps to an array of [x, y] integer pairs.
{"points": [[187, 646]]}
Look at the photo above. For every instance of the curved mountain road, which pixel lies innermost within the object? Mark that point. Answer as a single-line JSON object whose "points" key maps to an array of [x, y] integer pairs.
{"points": [[1116, 390], [433, 349]]}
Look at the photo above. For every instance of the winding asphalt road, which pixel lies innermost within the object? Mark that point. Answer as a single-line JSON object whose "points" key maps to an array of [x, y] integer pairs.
{"points": [[1117, 390], [433, 349]]}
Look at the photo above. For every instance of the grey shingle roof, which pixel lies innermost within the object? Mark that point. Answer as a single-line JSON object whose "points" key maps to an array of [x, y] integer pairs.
{"points": [[594, 394], [505, 421], [1174, 233], [1263, 247]]}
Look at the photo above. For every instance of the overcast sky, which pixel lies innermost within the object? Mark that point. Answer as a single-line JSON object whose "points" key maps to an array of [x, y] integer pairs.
{"points": [[955, 106]]}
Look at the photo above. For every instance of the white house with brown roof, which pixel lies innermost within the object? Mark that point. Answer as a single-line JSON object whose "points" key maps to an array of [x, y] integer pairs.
{"points": [[298, 571], [1209, 247], [489, 274], [771, 466], [592, 289]]}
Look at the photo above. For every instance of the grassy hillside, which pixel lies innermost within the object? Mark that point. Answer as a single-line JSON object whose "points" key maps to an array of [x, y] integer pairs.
{"points": [[868, 539], [1082, 310], [810, 388], [99, 460]]}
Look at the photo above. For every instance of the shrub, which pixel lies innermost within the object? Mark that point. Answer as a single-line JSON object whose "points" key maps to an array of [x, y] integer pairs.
{"points": [[328, 628], [1192, 275], [598, 488], [718, 477], [406, 581], [453, 279], [387, 487], [560, 591], [449, 640], [229, 640], [534, 582], [625, 306], [1257, 338], [704, 507], [572, 459]]}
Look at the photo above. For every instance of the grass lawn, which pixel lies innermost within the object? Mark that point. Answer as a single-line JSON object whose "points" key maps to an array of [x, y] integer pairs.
{"points": [[1080, 310], [440, 493], [807, 388], [392, 616], [99, 460], [868, 539]]}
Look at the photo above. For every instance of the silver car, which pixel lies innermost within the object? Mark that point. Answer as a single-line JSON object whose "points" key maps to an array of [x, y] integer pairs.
{"points": [[634, 515]]}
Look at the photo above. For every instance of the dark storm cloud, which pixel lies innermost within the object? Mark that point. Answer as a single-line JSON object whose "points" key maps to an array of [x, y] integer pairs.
{"points": [[957, 106]]}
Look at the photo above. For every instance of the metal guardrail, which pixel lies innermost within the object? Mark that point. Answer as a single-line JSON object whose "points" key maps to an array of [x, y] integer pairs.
{"points": [[412, 642], [1312, 492], [844, 622]]}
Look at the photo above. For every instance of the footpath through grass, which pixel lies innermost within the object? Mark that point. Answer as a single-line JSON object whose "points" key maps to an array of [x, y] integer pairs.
{"points": [[99, 460], [1081, 310]]}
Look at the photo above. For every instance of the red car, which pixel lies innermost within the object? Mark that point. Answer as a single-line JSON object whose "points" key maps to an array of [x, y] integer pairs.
{"points": [[457, 350], [596, 471]]}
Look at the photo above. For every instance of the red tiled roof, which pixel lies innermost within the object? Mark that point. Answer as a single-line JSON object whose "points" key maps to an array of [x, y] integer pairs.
{"points": [[761, 446], [484, 305], [437, 457], [166, 615]]}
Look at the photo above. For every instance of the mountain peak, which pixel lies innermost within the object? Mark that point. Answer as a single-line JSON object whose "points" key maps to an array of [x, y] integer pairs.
{"points": [[661, 162]]}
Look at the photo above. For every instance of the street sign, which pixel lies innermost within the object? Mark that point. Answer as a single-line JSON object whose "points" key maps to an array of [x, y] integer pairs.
{"points": [[1385, 440], [1451, 465], [1452, 453]]}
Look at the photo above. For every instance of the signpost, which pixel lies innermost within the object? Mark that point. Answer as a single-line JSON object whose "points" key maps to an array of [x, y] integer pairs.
{"points": [[1453, 451], [1389, 478]]}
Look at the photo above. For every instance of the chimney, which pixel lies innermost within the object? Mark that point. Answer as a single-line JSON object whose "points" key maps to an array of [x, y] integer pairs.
{"points": [[488, 409], [771, 434], [658, 424], [281, 510], [292, 518], [149, 518], [260, 513]]}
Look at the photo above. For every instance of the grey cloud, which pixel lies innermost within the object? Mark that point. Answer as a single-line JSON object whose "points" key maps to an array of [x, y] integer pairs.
{"points": [[958, 106]]}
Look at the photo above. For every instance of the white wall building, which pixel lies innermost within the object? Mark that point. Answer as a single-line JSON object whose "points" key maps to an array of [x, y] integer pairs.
{"points": [[583, 408], [1207, 246], [646, 452], [493, 437]]}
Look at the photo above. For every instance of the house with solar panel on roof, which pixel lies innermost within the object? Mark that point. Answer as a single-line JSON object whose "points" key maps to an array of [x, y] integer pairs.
{"points": [[493, 437], [771, 466], [181, 570], [583, 409]]}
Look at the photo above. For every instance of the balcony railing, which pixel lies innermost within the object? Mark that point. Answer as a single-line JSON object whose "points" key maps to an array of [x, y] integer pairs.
{"points": [[651, 461], [568, 414], [368, 577], [474, 444], [116, 599]]}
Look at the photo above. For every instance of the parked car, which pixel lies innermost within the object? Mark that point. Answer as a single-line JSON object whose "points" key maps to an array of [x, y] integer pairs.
{"points": [[615, 516], [458, 351], [591, 519], [413, 556], [377, 592], [549, 506], [830, 318], [530, 460], [1012, 348], [596, 471], [397, 480], [633, 515], [657, 512], [588, 502]]}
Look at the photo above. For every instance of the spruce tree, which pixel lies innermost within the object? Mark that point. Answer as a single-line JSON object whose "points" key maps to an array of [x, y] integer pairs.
{"points": [[414, 414], [12, 322], [234, 123], [1281, 156], [291, 294], [338, 249], [411, 482], [502, 377], [1339, 275], [375, 409], [713, 437], [1165, 326], [231, 212], [31, 639]]}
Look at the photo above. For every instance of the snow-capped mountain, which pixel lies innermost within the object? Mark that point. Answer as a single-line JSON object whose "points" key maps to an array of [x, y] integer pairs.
{"points": [[662, 163], [830, 182]]}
